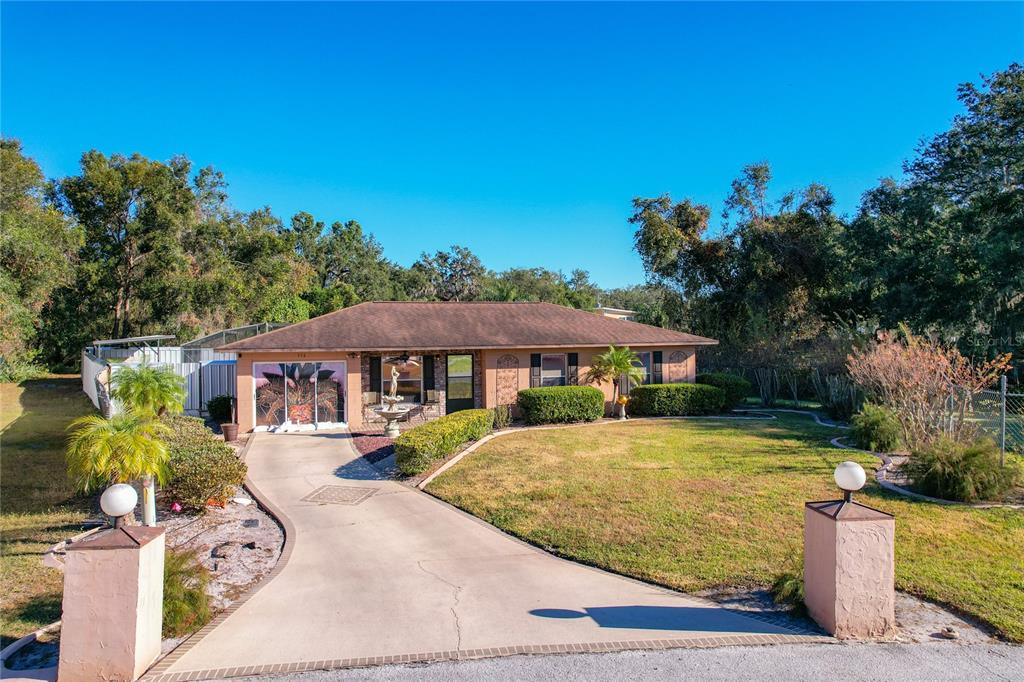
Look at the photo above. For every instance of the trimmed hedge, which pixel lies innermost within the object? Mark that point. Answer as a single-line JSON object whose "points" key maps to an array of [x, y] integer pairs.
{"points": [[561, 404], [736, 387], [418, 448], [202, 467], [676, 400]]}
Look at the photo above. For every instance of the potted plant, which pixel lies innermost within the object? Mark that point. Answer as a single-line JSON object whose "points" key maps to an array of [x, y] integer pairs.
{"points": [[621, 402]]}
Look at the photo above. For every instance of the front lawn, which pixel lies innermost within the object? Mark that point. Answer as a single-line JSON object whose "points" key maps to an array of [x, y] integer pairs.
{"points": [[38, 504], [696, 504]]}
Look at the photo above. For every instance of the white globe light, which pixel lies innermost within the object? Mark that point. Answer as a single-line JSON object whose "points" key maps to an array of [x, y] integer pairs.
{"points": [[118, 500], [850, 476]]}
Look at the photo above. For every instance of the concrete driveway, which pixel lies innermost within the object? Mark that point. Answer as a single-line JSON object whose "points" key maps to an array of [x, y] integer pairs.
{"points": [[382, 573]]}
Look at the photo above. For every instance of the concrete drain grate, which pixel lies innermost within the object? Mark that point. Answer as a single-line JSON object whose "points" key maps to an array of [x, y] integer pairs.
{"points": [[338, 494]]}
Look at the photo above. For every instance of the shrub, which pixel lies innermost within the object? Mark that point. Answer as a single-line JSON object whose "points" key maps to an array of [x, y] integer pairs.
{"points": [[417, 448], [502, 417], [876, 428], [837, 394], [676, 400], [561, 404], [788, 589], [736, 388], [186, 604], [202, 467], [219, 408], [964, 472]]}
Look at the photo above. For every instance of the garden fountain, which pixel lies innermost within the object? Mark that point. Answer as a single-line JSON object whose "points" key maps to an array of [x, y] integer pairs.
{"points": [[392, 410]]}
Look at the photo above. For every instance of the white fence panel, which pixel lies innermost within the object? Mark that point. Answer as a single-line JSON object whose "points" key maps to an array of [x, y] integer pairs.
{"points": [[91, 368], [203, 380]]}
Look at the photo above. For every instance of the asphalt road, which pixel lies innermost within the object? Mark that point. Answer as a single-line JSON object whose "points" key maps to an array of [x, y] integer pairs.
{"points": [[816, 662]]}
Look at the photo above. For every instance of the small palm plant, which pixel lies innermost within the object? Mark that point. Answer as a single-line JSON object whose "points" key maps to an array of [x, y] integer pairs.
{"points": [[124, 448], [146, 393], [613, 365], [149, 390]]}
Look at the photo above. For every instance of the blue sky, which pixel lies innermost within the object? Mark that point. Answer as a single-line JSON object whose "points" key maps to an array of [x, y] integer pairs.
{"points": [[520, 131]]}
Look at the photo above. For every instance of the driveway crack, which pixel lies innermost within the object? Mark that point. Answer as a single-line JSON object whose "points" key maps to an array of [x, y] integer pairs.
{"points": [[456, 590]]}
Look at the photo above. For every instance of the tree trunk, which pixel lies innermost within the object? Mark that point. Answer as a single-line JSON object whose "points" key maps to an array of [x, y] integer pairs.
{"points": [[148, 501]]}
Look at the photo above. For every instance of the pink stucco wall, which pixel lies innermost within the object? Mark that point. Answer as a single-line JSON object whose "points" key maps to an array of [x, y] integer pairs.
{"points": [[112, 611], [849, 573]]}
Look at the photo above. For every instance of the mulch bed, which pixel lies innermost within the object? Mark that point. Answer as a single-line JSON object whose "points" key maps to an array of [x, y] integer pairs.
{"points": [[373, 446]]}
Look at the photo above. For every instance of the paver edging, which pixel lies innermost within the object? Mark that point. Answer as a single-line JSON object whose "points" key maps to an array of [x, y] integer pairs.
{"points": [[157, 670], [491, 652]]}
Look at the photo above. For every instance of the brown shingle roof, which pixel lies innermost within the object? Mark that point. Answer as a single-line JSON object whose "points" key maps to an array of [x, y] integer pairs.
{"points": [[408, 325]]}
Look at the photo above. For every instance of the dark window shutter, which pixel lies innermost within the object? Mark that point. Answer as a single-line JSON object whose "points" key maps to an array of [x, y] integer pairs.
{"points": [[656, 368], [428, 373], [375, 374], [534, 370], [574, 369]]}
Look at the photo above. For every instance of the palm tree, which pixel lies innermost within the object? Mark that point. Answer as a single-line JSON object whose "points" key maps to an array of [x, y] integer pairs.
{"points": [[124, 448], [148, 390], [613, 364]]}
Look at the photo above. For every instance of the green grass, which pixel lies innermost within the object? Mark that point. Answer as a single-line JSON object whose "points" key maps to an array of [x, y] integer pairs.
{"points": [[38, 507], [699, 503]]}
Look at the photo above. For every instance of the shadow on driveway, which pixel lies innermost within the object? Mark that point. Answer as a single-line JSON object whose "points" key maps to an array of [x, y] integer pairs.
{"points": [[710, 619]]}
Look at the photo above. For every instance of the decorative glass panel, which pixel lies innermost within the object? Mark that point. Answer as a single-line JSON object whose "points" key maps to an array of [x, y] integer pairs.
{"points": [[270, 393], [301, 380], [330, 392]]}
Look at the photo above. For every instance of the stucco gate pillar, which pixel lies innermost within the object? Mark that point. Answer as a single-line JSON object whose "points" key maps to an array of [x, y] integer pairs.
{"points": [[113, 605], [849, 569]]}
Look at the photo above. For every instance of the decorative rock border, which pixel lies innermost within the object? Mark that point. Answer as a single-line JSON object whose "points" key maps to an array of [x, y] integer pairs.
{"points": [[882, 477]]}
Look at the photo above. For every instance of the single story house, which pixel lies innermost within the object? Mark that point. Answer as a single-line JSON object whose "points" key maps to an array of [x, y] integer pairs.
{"points": [[332, 370]]}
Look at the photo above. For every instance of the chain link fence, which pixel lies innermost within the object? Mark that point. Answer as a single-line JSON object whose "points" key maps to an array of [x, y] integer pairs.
{"points": [[1000, 414]]}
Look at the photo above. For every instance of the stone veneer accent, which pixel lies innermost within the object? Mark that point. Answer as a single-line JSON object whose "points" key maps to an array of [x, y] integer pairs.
{"points": [[424, 413]]}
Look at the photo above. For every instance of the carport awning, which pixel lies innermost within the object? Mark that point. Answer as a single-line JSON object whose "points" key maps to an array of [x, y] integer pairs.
{"points": [[128, 340]]}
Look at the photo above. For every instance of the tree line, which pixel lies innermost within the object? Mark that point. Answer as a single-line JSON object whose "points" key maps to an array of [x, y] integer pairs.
{"points": [[131, 246], [789, 282]]}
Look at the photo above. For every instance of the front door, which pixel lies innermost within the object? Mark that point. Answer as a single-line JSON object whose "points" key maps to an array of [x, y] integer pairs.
{"points": [[459, 386]]}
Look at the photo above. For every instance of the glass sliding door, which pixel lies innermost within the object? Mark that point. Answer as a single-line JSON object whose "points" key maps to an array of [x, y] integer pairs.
{"points": [[299, 393], [459, 395], [330, 392], [269, 383]]}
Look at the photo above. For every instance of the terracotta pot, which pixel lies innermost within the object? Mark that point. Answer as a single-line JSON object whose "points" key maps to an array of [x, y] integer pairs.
{"points": [[230, 432]]}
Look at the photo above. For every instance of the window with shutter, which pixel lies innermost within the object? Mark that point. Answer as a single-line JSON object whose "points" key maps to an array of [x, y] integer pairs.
{"points": [[656, 370], [574, 370], [428, 373], [534, 370]]}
